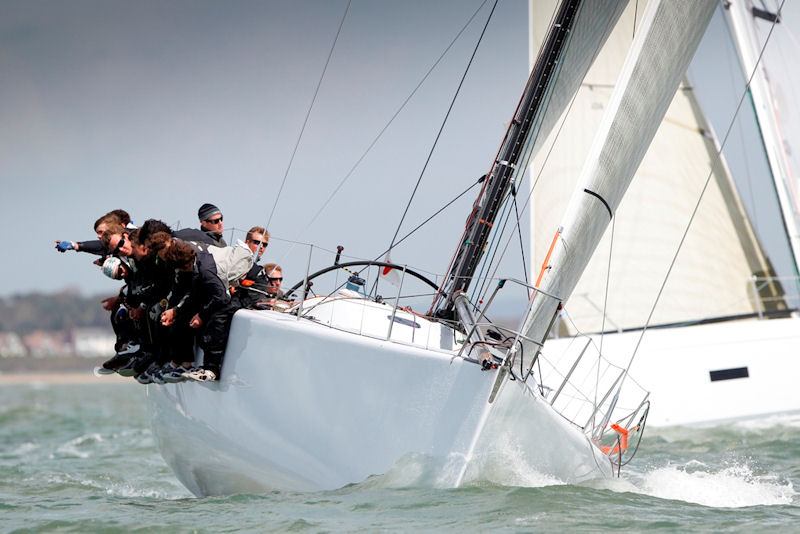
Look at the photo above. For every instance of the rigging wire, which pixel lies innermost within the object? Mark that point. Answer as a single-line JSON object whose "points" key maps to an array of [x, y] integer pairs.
{"points": [[517, 224], [409, 234], [605, 310], [383, 130], [426, 221], [745, 92], [393, 117], [444, 122], [493, 246], [521, 245], [308, 114], [423, 223]]}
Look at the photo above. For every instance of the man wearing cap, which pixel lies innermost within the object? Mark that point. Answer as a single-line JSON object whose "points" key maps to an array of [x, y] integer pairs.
{"points": [[211, 223]]}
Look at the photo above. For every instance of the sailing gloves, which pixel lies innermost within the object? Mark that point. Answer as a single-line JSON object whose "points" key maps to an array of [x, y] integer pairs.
{"points": [[63, 246]]}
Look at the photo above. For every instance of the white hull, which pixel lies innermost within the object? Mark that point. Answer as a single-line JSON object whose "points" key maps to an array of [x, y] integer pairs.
{"points": [[676, 365], [303, 406]]}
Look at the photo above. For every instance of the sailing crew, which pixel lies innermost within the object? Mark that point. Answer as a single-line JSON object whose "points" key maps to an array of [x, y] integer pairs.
{"points": [[177, 292], [177, 339]]}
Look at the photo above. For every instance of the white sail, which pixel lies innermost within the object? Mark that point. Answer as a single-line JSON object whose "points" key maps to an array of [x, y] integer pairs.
{"points": [[711, 372], [661, 50], [749, 49], [651, 220], [592, 27]]}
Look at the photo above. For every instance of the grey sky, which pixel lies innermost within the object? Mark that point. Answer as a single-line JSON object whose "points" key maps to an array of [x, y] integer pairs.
{"points": [[159, 106]]}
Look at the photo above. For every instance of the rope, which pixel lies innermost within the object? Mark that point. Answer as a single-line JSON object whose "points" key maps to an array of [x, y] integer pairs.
{"points": [[493, 246]]}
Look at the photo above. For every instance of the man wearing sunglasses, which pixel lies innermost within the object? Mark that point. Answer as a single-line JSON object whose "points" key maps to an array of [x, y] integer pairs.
{"points": [[117, 241], [211, 223], [257, 239], [274, 295]]}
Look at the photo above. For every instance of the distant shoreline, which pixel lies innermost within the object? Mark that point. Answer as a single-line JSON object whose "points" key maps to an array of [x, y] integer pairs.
{"points": [[67, 377]]}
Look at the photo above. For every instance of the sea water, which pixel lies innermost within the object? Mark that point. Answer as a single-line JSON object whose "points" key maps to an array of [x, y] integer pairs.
{"points": [[82, 458]]}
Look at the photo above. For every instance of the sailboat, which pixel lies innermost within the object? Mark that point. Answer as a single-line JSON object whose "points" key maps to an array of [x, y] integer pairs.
{"points": [[721, 342], [344, 386]]}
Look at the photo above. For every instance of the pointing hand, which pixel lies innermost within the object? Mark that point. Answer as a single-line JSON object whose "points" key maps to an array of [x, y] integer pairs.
{"points": [[63, 246]]}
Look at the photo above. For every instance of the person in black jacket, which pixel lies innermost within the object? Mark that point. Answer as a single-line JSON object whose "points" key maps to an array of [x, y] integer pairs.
{"points": [[95, 246], [204, 308], [123, 321], [148, 291], [175, 337], [211, 223]]}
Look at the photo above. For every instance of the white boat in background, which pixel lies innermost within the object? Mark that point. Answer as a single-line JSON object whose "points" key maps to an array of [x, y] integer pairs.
{"points": [[344, 386], [722, 342]]}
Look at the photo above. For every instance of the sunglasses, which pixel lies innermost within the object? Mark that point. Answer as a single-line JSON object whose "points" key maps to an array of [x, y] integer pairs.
{"points": [[257, 242], [120, 244], [215, 221], [276, 279]]}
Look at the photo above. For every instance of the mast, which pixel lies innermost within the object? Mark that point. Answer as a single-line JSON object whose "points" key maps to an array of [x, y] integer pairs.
{"points": [[507, 163]]}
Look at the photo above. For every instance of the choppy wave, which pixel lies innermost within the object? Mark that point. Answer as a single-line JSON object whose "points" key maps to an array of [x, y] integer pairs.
{"points": [[78, 459], [708, 466], [734, 486]]}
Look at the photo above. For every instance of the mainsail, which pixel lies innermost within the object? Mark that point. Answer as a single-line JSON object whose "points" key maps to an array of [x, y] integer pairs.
{"points": [[651, 220], [662, 48]]}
